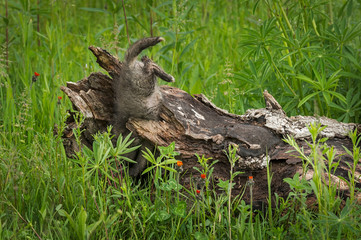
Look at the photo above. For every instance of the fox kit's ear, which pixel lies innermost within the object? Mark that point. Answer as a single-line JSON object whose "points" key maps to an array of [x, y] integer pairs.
{"points": [[139, 46], [159, 72], [150, 66]]}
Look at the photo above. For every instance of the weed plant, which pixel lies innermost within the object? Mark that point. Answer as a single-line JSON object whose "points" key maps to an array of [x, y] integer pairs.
{"points": [[305, 53]]}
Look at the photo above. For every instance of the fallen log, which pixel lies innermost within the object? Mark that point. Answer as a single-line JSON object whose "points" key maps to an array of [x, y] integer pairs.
{"points": [[197, 126]]}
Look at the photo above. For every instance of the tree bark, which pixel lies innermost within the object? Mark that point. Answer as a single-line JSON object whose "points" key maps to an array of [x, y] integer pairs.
{"points": [[197, 126]]}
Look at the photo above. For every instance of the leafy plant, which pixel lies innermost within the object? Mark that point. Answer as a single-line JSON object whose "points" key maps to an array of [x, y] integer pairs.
{"points": [[165, 158]]}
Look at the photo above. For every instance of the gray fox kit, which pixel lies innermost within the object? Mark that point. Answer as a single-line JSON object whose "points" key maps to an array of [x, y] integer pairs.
{"points": [[137, 93]]}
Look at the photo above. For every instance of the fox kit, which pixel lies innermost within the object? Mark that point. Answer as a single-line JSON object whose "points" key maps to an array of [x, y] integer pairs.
{"points": [[137, 94]]}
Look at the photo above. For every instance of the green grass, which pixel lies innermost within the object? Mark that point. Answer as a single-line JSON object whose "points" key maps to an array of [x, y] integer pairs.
{"points": [[305, 53]]}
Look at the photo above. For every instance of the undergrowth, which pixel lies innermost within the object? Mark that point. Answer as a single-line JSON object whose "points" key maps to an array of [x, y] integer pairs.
{"points": [[305, 53]]}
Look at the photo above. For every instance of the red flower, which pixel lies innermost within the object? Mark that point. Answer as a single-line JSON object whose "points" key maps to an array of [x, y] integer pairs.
{"points": [[59, 97], [198, 191], [203, 175], [36, 74], [250, 177], [179, 163]]}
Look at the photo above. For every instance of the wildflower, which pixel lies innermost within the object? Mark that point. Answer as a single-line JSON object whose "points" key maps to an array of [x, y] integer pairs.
{"points": [[250, 180], [59, 99], [35, 77], [203, 176], [179, 167], [198, 191]]}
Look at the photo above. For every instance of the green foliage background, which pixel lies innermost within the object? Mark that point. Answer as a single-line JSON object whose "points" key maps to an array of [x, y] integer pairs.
{"points": [[306, 53]]}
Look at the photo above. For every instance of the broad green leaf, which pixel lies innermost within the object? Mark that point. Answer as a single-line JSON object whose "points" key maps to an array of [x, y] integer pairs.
{"points": [[159, 12], [169, 169], [309, 80], [162, 215], [81, 223], [181, 209], [338, 95], [327, 97], [200, 236], [305, 99], [100, 10], [334, 76], [333, 105], [149, 156], [169, 161], [188, 47], [148, 169]]}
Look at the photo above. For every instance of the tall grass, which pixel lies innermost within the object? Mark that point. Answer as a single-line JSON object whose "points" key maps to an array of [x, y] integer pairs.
{"points": [[306, 53]]}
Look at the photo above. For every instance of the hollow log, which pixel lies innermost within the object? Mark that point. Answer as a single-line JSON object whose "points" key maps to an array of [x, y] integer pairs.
{"points": [[196, 125]]}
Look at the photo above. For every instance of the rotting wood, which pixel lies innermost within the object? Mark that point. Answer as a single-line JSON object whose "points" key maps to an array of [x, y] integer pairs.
{"points": [[196, 125]]}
